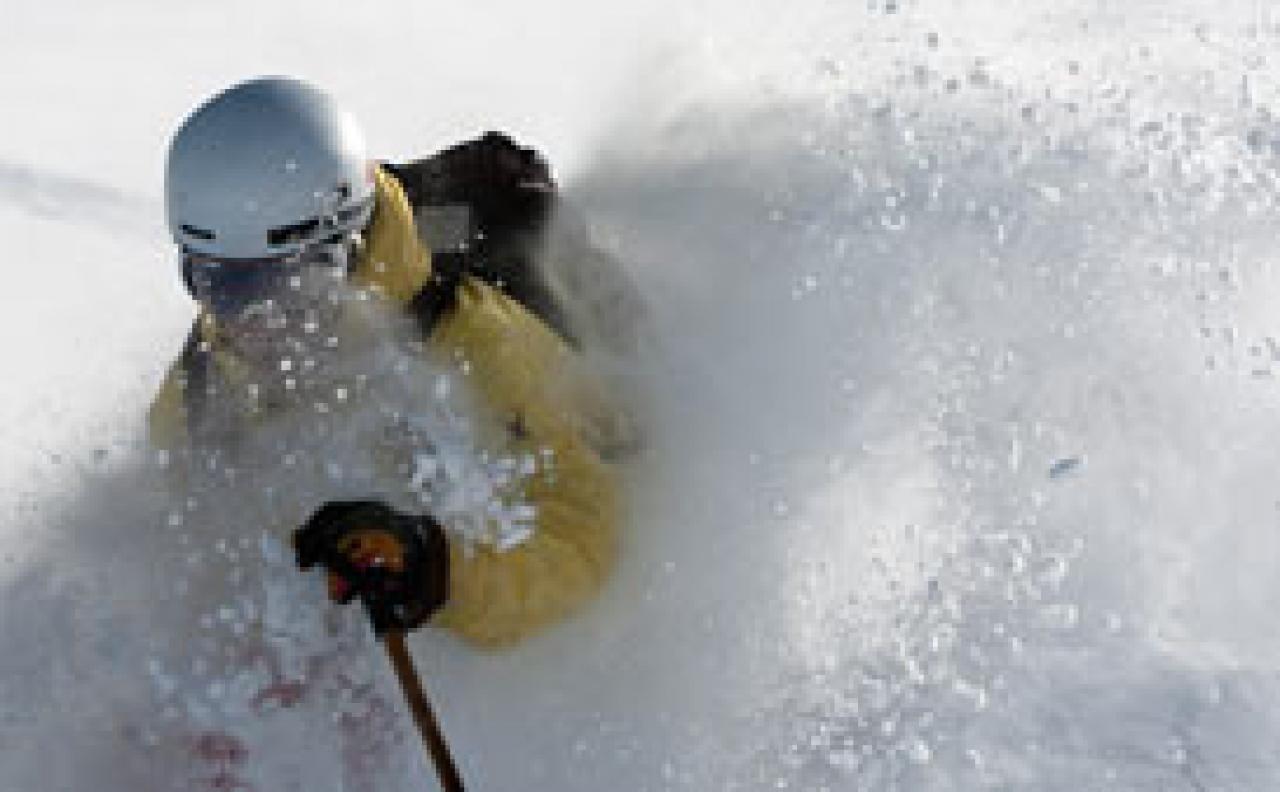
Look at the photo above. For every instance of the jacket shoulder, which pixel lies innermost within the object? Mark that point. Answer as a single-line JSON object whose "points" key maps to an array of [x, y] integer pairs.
{"points": [[167, 415], [181, 394]]}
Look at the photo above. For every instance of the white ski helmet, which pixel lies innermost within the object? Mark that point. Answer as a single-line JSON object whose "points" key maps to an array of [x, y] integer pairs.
{"points": [[265, 169]]}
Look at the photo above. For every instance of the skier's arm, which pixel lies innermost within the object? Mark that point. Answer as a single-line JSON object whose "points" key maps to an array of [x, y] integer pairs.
{"points": [[497, 597], [407, 569], [592, 406]]}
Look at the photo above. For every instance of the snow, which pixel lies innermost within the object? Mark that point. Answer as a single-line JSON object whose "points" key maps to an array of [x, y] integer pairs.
{"points": [[962, 475]]}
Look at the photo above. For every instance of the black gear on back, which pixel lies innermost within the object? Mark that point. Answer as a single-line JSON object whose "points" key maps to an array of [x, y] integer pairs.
{"points": [[482, 207]]}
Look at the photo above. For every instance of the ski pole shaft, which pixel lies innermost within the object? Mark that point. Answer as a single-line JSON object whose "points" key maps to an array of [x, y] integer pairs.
{"points": [[423, 715]]}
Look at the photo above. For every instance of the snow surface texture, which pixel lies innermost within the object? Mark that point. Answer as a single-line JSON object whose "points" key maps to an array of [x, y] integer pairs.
{"points": [[961, 476]]}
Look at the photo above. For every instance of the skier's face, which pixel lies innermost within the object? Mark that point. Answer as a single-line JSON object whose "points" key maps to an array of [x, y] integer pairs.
{"points": [[266, 309]]}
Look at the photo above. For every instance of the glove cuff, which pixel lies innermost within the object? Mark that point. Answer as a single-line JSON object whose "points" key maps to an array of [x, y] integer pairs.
{"points": [[435, 564]]}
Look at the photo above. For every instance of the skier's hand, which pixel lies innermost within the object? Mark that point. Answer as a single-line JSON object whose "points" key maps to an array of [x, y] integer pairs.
{"points": [[397, 564]]}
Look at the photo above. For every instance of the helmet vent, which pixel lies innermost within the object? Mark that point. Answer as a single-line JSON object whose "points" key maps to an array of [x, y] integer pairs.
{"points": [[199, 233], [298, 232], [353, 211]]}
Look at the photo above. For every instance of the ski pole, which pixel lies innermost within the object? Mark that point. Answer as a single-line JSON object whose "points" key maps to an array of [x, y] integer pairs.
{"points": [[420, 708]]}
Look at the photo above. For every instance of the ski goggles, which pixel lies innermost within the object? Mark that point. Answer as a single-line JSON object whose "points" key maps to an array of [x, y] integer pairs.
{"points": [[228, 287]]}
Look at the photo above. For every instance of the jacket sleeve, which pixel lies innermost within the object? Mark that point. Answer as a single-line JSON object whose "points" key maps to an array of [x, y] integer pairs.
{"points": [[591, 406], [498, 597]]}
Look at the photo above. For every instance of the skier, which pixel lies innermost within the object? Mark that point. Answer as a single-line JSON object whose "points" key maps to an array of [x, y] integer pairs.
{"points": [[276, 209]]}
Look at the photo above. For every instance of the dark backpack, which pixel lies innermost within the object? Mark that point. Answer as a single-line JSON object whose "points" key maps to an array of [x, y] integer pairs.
{"points": [[482, 207]]}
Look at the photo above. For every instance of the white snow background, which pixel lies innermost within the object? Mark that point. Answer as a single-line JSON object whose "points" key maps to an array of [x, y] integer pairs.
{"points": [[963, 472]]}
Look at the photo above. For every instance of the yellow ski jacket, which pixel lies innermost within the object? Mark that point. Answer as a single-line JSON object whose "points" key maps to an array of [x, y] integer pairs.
{"points": [[523, 374]]}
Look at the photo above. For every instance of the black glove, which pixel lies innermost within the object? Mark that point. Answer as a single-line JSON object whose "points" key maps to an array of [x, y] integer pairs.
{"points": [[397, 564]]}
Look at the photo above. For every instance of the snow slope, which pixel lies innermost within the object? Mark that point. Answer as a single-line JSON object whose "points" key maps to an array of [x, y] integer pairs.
{"points": [[962, 475]]}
